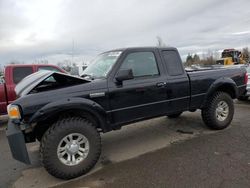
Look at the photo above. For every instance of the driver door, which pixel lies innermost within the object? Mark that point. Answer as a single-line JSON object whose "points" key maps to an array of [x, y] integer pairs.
{"points": [[143, 96]]}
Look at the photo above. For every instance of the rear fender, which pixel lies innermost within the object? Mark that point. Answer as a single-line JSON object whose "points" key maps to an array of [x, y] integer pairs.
{"points": [[222, 84], [80, 104]]}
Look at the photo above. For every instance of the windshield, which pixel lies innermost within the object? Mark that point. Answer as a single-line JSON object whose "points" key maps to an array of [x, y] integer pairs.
{"points": [[101, 65]]}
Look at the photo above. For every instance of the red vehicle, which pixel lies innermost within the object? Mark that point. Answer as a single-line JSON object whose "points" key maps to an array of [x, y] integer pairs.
{"points": [[14, 74]]}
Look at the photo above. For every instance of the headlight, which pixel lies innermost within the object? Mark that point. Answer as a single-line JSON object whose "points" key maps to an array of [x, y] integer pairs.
{"points": [[14, 112]]}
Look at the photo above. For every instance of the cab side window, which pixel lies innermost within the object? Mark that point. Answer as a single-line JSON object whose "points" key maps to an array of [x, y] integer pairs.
{"points": [[142, 64], [173, 63]]}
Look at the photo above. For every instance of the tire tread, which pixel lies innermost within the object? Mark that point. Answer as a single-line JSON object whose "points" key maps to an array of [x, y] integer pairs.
{"points": [[208, 114], [48, 138]]}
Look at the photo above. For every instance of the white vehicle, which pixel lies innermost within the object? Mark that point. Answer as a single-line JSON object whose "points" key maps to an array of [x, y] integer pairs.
{"points": [[247, 94]]}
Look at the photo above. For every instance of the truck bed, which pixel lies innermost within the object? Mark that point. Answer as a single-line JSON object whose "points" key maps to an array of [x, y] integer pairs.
{"points": [[201, 80]]}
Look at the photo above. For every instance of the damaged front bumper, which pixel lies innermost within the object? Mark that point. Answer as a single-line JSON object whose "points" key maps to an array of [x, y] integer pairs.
{"points": [[17, 142]]}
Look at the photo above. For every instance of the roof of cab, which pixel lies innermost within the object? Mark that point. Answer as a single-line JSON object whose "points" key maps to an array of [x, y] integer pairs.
{"points": [[143, 48]]}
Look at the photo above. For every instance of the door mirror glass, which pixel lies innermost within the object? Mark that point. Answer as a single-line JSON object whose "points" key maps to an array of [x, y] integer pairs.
{"points": [[126, 74]]}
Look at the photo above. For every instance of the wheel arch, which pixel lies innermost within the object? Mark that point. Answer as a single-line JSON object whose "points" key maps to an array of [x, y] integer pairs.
{"points": [[226, 85], [78, 107]]}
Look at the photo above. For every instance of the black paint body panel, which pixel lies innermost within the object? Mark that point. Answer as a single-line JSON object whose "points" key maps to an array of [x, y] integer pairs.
{"points": [[137, 99]]}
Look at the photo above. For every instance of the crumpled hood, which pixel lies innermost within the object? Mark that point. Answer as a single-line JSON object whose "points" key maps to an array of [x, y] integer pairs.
{"points": [[34, 80]]}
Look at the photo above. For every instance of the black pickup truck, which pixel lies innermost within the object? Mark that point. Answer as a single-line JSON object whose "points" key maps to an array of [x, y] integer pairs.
{"points": [[66, 113]]}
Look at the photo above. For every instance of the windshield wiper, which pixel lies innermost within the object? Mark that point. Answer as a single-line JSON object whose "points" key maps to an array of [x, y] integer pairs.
{"points": [[88, 76]]}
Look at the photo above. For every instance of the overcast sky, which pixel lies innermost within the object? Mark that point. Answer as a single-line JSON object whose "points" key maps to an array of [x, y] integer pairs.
{"points": [[45, 29]]}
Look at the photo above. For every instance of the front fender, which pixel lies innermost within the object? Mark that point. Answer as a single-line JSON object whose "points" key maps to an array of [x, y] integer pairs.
{"points": [[222, 84], [62, 105]]}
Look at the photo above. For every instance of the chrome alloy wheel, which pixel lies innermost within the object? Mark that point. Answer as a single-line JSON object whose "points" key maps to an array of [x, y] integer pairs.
{"points": [[222, 111], [73, 149]]}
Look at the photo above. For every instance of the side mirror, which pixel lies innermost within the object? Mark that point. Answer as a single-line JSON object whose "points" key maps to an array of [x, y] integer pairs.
{"points": [[124, 75]]}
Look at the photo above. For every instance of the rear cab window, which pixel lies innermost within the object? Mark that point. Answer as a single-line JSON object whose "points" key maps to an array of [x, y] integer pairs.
{"points": [[173, 62], [21, 72]]}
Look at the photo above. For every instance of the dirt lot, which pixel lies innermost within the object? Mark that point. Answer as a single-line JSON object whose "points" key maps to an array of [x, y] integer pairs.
{"points": [[154, 153]]}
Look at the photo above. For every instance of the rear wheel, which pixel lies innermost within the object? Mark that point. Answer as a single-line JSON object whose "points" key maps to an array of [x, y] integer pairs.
{"points": [[70, 148], [219, 111], [176, 115]]}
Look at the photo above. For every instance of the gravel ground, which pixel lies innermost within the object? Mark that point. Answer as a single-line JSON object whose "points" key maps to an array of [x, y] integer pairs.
{"points": [[154, 153]]}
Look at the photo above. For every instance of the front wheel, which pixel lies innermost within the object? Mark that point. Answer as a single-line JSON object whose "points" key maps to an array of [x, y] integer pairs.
{"points": [[70, 148], [219, 111]]}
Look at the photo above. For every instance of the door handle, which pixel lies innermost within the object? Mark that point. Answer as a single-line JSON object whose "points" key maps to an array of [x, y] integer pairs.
{"points": [[161, 84]]}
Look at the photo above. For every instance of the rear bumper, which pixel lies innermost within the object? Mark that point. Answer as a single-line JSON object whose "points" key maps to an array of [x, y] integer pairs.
{"points": [[247, 92], [243, 91], [17, 143]]}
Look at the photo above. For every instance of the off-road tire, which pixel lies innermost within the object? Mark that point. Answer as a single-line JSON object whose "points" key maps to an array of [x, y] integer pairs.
{"points": [[176, 115], [51, 139], [209, 111]]}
